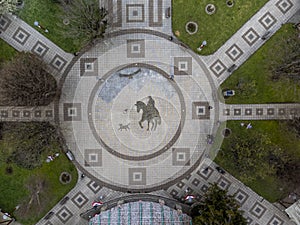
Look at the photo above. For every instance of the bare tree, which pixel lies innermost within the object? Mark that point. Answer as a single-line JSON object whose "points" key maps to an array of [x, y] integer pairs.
{"points": [[87, 20], [24, 81], [8, 6]]}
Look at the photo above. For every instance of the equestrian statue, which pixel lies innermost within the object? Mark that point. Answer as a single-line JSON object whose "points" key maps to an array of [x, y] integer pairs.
{"points": [[150, 113]]}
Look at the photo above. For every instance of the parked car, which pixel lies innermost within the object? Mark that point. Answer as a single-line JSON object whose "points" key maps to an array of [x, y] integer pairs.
{"points": [[228, 93]]}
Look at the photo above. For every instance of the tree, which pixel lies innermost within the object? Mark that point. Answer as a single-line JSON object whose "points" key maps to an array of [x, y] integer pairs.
{"points": [[218, 208], [87, 20], [24, 81], [288, 65], [31, 141], [8, 6], [251, 154]]}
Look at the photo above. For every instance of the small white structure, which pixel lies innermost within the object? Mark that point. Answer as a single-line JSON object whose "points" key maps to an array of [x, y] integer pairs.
{"points": [[294, 212]]}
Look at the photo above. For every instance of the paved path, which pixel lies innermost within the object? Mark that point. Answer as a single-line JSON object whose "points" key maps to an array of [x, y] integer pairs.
{"points": [[260, 111], [25, 114], [248, 39], [23, 37], [97, 97]]}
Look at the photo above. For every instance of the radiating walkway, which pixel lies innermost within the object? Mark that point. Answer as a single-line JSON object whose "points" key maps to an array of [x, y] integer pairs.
{"points": [[248, 38], [23, 37], [25, 114], [260, 111]]}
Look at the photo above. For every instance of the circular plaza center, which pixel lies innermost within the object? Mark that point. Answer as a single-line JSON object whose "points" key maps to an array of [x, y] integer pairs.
{"points": [[127, 122]]}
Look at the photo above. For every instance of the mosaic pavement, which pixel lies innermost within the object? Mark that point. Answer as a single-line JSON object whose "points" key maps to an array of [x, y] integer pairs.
{"points": [[111, 92]]}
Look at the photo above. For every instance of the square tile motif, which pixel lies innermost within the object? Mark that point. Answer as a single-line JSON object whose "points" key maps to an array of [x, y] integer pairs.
{"points": [[180, 184], [38, 113], [259, 111], [58, 62], [267, 20], [135, 13], [4, 113], [226, 112], [15, 113], [200, 111], [93, 157], [204, 188], [183, 66], [196, 182], [40, 49], [180, 156], [135, 48], [93, 186], [281, 111], [79, 199], [270, 111], [237, 112], [48, 223], [217, 68], [21, 36], [174, 192], [64, 214], [88, 67], [293, 111], [234, 52], [4, 23], [284, 5], [26, 113], [258, 210], [275, 220], [223, 183], [49, 113], [72, 111], [241, 196], [248, 112], [205, 173], [137, 176], [250, 36]]}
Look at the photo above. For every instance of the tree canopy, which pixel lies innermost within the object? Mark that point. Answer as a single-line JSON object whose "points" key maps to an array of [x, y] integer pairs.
{"points": [[24, 81], [8, 6], [218, 208], [86, 20]]}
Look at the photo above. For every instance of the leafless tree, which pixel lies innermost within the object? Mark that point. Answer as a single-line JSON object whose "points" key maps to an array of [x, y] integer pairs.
{"points": [[24, 81]]}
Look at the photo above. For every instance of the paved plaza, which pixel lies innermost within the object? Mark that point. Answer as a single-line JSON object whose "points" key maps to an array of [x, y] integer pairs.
{"points": [[133, 129]]}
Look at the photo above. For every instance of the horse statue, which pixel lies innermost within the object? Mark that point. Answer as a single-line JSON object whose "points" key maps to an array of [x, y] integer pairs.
{"points": [[150, 113]]}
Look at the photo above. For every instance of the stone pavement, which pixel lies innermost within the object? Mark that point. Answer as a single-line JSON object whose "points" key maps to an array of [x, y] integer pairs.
{"points": [[110, 91], [23, 37], [260, 111], [249, 37], [25, 114]]}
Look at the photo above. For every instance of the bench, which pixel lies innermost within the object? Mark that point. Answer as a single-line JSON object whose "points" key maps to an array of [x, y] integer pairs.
{"points": [[49, 215], [70, 155], [231, 68], [266, 35], [168, 12], [64, 200]]}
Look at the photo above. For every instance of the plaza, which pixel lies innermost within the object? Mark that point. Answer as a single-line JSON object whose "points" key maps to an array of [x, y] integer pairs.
{"points": [[134, 131]]}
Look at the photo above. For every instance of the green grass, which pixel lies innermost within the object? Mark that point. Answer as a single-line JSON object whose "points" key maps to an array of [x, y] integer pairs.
{"points": [[255, 74], [49, 15], [7, 52], [13, 186], [216, 29], [270, 186]]}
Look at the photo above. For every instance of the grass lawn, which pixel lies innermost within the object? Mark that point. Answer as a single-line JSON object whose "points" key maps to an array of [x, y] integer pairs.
{"points": [[278, 134], [216, 29], [7, 52], [13, 186], [254, 73], [48, 14]]}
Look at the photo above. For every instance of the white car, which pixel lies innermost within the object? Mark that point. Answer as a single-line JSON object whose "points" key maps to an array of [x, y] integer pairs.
{"points": [[228, 93]]}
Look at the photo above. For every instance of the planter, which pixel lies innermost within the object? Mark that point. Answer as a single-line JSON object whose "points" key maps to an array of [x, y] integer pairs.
{"points": [[210, 9], [230, 3], [191, 27], [65, 178], [66, 21], [226, 132]]}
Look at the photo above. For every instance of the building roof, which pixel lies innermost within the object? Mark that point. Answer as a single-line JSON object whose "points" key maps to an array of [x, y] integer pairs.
{"points": [[145, 212]]}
